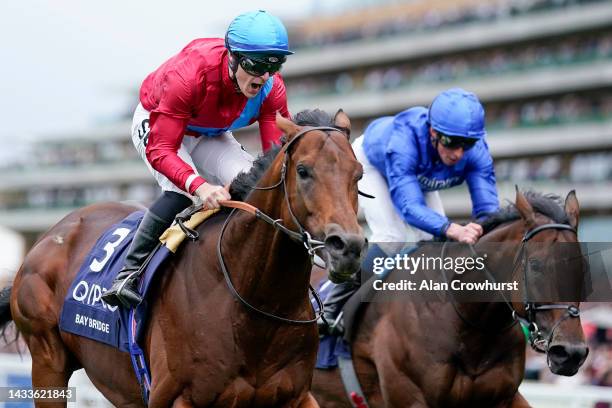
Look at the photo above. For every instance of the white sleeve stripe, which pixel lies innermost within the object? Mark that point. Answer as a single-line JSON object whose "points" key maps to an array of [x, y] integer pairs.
{"points": [[189, 181]]}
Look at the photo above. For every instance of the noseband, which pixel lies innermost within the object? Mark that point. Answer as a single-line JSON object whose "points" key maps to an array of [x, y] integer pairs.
{"points": [[301, 235]]}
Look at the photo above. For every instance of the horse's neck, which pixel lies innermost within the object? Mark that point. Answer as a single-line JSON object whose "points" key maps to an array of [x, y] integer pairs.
{"points": [[492, 317], [267, 265], [488, 334]]}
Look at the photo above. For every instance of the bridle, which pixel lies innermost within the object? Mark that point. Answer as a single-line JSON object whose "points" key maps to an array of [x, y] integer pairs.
{"points": [[536, 339], [301, 236]]}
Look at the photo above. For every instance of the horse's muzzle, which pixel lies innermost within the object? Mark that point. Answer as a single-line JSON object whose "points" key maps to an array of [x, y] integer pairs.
{"points": [[344, 253], [565, 358]]}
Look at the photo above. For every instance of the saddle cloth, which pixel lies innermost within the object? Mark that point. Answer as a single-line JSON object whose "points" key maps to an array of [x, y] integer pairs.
{"points": [[84, 313]]}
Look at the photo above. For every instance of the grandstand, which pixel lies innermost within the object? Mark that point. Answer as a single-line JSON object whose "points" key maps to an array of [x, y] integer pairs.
{"points": [[543, 69]]}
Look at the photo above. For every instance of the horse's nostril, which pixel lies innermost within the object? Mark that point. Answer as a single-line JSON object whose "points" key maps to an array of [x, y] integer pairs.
{"points": [[558, 352], [568, 352], [335, 243], [356, 245]]}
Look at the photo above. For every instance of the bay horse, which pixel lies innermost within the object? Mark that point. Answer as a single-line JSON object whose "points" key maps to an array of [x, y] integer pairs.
{"points": [[204, 347], [410, 354]]}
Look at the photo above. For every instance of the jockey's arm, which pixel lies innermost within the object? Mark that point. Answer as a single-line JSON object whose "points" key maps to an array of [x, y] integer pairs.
{"points": [[276, 101], [165, 139], [480, 179], [168, 122], [406, 193]]}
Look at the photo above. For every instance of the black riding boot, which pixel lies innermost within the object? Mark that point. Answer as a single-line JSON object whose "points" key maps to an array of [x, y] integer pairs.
{"points": [[342, 292], [124, 289], [333, 306]]}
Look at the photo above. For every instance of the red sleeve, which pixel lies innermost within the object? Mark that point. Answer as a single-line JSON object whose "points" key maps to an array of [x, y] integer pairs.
{"points": [[167, 128], [276, 101]]}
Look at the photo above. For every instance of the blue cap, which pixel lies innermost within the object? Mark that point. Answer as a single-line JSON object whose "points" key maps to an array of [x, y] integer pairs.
{"points": [[457, 112], [257, 31]]}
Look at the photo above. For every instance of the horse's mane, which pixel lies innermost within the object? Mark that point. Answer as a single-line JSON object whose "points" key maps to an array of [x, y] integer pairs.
{"points": [[549, 205], [313, 117], [243, 184]]}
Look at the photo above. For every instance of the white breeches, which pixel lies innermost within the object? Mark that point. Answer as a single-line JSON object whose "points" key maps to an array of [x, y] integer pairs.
{"points": [[218, 159], [381, 215]]}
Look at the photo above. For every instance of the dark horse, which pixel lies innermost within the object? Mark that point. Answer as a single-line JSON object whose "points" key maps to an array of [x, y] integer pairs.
{"points": [[203, 346], [410, 354]]}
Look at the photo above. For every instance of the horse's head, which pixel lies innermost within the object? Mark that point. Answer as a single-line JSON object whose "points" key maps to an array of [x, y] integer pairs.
{"points": [[321, 174], [551, 269]]}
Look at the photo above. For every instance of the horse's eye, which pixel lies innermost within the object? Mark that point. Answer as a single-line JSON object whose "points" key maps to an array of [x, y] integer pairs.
{"points": [[303, 171]]}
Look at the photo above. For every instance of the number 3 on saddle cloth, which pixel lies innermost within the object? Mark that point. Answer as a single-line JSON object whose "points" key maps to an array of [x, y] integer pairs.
{"points": [[85, 314]]}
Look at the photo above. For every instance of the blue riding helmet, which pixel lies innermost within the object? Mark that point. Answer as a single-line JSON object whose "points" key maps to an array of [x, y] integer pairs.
{"points": [[457, 112], [257, 32]]}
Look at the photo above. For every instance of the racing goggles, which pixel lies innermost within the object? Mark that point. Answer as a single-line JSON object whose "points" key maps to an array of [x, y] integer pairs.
{"points": [[259, 65], [456, 142]]}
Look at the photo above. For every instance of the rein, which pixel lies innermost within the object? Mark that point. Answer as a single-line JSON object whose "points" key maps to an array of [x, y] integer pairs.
{"points": [[537, 340], [301, 236]]}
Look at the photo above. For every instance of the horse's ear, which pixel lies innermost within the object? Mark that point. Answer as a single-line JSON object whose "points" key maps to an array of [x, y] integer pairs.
{"points": [[286, 126], [342, 122], [525, 209], [572, 209]]}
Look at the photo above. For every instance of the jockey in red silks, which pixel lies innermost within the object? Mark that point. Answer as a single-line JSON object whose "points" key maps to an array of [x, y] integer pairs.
{"points": [[182, 127]]}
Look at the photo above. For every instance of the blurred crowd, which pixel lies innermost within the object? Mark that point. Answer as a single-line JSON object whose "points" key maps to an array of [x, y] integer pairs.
{"points": [[73, 197], [589, 105], [587, 168], [568, 108], [69, 154], [579, 168], [476, 64], [419, 19], [75, 155]]}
